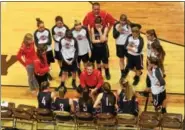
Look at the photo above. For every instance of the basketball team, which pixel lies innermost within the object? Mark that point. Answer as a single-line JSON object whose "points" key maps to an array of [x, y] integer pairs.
{"points": [[87, 42]]}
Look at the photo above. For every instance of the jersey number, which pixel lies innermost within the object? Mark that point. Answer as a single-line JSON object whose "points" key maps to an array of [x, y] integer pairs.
{"points": [[107, 102], [61, 107], [44, 101], [84, 108]]}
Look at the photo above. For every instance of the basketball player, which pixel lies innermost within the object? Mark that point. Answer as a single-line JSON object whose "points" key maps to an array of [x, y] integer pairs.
{"points": [[107, 100], [100, 52], [121, 31], [45, 96], [41, 66], [27, 51], [127, 101], [134, 46], [81, 34], [42, 36], [151, 38], [61, 103], [157, 84], [85, 102], [68, 48], [58, 32], [158, 52]]}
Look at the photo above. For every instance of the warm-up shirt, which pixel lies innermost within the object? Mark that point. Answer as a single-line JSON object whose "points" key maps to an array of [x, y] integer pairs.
{"points": [[41, 67], [121, 37], [107, 19], [43, 37], [44, 100], [83, 40], [137, 45], [28, 54], [58, 34], [157, 81], [149, 50], [93, 80], [68, 49]]}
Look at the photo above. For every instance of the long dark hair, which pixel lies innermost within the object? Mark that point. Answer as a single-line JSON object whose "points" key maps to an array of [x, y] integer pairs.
{"points": [[44, 85], [152, 32], [159, 49], [40, 51], [110, 95], [39, 21]]}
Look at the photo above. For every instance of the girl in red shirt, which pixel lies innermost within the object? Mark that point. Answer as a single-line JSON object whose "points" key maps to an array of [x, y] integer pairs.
{"points": [[25, 56], [41, 66]]}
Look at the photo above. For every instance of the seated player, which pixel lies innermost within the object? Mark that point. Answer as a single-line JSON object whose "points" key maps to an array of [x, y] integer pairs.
{"points": [[45, 96], [106, 100], [61, 103], [85, 102], [157, 84], [92, 79], [126, 98]]}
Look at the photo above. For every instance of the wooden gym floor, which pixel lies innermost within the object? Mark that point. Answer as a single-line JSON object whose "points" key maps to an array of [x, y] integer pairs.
{"points": [[18, 18]]}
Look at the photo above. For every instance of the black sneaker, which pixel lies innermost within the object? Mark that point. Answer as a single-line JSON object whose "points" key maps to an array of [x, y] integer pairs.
{"points": [[163, 110], [74, 84], [50, 77], [136, 81]]}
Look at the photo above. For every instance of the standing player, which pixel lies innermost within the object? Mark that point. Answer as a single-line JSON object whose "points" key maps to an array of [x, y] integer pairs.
{"points": [[107, 19], [121, 31], [81, 34], [107, 100], [157, 84], [27, 51], [68, 48], [58, 32], [100, 51], [41, 66], [42, 36], [134, 46]]}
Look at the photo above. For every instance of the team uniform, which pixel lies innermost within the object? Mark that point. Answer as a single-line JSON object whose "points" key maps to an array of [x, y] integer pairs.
{"points": [[62, 104], [121, 39], [58, 33], [157, 86], [68, 51], [106, 105], [41, 69], [127, 106], [150, 54], [85, 106], [44, 100], [135, 59], [100, 52], [84, 44], [44, 38]]}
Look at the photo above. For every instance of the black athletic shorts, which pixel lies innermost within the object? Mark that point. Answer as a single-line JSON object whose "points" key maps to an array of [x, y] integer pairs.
{"points": [[50, 57], [121, 52], [57, 55], [69, 68], [135, 62], [159, 98], [100, 53], [84, 58]]}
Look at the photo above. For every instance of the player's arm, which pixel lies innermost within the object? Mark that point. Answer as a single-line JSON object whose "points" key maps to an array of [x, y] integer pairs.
{"points": [[72, 105], [98, 100]]}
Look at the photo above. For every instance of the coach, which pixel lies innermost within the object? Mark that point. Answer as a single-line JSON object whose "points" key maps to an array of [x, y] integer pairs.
{"points": [[107, 19], [92, 79]]}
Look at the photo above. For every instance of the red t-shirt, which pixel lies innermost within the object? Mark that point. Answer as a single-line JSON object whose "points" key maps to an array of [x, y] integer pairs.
{"points": [[95, 79], [41, 68], [28, 54], [106, 19]]}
